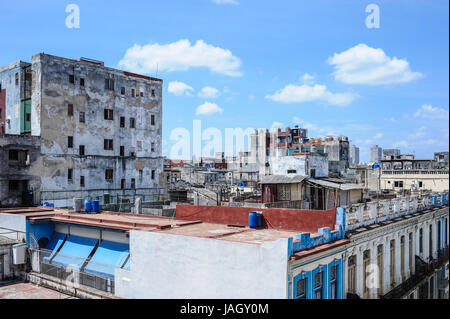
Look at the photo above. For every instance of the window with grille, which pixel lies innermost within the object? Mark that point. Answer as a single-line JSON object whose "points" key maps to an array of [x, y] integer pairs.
{"points": [[352, 274], [318, 285], [301, 289], [108, 145], [333, 282], [109, 114], [82, 117], [109, 84], [109, 174], [122, 121]]}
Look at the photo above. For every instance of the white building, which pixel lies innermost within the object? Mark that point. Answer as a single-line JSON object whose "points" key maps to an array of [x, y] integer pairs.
{"points": [[375, 154]]}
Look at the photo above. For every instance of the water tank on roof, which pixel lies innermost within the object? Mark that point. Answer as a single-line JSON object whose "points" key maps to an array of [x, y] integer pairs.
{"points": [[252, 220], [95, 206], [87, 206]]}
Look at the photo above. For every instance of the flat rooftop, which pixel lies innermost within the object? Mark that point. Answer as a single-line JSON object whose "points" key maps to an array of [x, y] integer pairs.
{"points": [[127, 222], [20, 290]]}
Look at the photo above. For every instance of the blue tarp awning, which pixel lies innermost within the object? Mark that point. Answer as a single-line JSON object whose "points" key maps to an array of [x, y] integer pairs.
{"points": [[74, 252], [107, 258], [54, 245]]}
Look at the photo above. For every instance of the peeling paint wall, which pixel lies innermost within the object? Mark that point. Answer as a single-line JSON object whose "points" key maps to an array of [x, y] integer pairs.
{"points": [[301, 164], [11, 92], [52, 94], [11, 170]]}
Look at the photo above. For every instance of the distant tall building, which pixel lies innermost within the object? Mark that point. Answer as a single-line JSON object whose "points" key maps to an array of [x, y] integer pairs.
{"points": [[375, 154], [354, 155], [391, 153]]}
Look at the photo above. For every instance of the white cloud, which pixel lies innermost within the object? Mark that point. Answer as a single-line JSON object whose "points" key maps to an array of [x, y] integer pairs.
{"points": [[365, 65], [276, 126], [305, 93], [208, 92], [180, 56], [179, 88], [421, 132], [208, 108], [433, 113], [233, 2], [378, 136], [400, 144], [307, 78]]}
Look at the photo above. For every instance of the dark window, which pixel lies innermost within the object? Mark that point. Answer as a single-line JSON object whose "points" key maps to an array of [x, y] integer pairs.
{"points": [[292, 171], [122, 121], [122, 184], [141, 173], [420, 184], [421, 240], [153, 119], [153, 174], [69, 174], [122, 150], [109, 84], [70, 110], [108, 174], [108, 145], [81, 150], [28, 117], [17, 78], [82, 117], [132, 154], [132, 92], [81, 181], [133, 183], [142, 94], [132, 122], [122, 90], [318, 285], [70, 141], [301, 289], [14, 186], [153, 92], [81, 82], [13, 155], [333, 282], [71, 79], [398, 184], [109, 114], [153, 147]]}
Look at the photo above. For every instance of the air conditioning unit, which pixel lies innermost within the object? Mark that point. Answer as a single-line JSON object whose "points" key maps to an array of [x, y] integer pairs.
{"points": [[19, 253]]}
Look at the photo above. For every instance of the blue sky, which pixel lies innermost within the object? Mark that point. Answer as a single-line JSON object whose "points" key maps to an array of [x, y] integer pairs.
{"points": [[265, 63]]}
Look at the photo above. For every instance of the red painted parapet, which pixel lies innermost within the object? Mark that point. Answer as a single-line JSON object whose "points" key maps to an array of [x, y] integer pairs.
{"points": [[274, 218]]}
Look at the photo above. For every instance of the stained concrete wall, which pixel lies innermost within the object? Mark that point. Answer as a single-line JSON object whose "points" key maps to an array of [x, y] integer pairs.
{"points": [[172, 266], [302, 164], [53, 92], [13, 226], [12, 94], [10, 170]]}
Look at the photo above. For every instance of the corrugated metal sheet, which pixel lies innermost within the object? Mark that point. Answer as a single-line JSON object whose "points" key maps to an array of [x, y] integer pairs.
{"points": [[344, 187], [283, 179]]}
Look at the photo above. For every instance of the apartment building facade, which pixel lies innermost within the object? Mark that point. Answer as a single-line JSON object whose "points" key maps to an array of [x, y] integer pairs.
{"points": [[99, 128]]}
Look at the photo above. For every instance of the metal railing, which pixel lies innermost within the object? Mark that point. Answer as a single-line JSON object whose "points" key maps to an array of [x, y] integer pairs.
{"points": [[72, 274]]}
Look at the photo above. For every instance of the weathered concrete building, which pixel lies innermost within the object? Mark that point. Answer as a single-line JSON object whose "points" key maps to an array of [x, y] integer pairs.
{"points": [[100, 128], [19, 169]]}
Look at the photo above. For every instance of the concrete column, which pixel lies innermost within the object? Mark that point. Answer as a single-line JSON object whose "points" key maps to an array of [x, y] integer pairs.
{"points": [[373, 261], [386, 266], [406, 257], [359, 272], [398, 265]]}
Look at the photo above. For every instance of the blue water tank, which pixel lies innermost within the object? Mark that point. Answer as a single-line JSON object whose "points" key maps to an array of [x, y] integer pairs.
{"points": [[87, 206], [96, 206], [253, 220], [259, 219]]}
